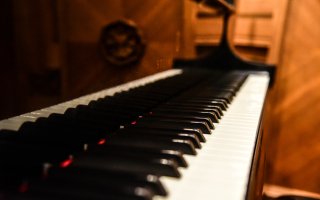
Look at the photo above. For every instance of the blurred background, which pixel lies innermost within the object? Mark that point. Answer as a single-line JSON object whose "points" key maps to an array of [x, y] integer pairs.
{"points": [[51, 51]]}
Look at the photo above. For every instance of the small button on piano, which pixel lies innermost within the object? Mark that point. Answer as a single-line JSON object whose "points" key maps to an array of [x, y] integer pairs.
{"points": [[185, 133]]}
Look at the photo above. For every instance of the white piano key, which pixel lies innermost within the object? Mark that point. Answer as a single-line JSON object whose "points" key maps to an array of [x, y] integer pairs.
{"points": [[222, 167]]}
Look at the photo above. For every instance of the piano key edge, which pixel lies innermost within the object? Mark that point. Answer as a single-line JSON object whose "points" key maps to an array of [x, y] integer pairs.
{"points": [[14, 123]]}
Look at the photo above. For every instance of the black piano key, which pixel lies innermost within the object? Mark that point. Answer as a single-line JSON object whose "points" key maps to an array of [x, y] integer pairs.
{"points": [[128, 164], [85, 191], [234, 80], [139, 96], [151, 153], [170, 128], [194, 113], [203, 126], [218, 104], [203, 101], [121, 115], [166, 131], [227, 96], [36, 152], [194, 137], [16, 150], [47, 133], [183, 117], [206, 92], [119, 108], [154, 135], [59, 122], [142, 103], [143, 141], [215, 110], [95, 117], [105, 178]]}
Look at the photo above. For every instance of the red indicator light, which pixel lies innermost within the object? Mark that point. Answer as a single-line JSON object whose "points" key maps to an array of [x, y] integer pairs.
{"points": [[24, 187], [66, 163], [134, 122], [102, 141]]}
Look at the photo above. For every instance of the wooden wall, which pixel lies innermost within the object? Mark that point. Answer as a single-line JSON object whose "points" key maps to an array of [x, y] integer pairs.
{"points": [[9, 101], [55, 47], [160, 21], [294, 104]]}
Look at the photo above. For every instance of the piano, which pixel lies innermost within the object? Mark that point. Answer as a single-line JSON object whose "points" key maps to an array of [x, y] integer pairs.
{"points": [[185, 133], [214, 156]]}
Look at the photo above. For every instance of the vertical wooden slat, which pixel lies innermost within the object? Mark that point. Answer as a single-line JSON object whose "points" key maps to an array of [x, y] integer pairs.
{"points": [[189, 20], [10, 97], [60, 37], [278, 21]]}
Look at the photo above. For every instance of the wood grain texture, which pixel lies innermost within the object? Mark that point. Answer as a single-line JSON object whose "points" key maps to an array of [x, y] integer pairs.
{"points": [[160, 21], [61, 38], [293, 124]]}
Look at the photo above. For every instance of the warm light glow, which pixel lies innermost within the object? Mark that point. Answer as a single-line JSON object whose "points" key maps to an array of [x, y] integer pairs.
{"points": [[102, 141], [66, 163], [134, 122]]}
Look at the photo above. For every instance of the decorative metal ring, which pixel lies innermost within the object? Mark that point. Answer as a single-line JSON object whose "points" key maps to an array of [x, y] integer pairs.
{"points": [[122, 43]]}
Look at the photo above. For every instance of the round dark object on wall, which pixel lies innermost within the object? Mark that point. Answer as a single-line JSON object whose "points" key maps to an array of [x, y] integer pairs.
{"points": [[122, 43]]}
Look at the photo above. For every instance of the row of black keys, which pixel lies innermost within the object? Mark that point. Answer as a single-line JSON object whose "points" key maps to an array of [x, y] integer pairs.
{"points": [[126, 141]]}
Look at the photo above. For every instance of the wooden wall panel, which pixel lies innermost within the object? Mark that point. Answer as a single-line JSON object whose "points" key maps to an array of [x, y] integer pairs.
{"points": [[255, 7], [9, 101], [160, 22], [37, 76], [56, 47], [294, 107]]}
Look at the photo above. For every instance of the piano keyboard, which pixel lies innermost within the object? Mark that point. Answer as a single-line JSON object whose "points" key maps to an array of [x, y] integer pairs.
{"points": [[178, 134], [222, 167]]}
